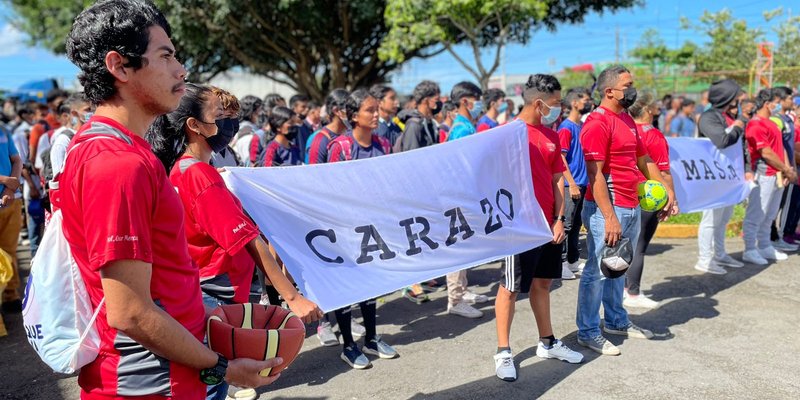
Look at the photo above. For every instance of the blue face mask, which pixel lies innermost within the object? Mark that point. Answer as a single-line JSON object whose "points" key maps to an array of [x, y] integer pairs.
{"points": [[552, 115], [87, 116], [502, 108], [477, 109], [778, 108]]}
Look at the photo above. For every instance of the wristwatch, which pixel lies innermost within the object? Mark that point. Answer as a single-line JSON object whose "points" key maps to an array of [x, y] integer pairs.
{"points": [[216, 374], [561, 218]]}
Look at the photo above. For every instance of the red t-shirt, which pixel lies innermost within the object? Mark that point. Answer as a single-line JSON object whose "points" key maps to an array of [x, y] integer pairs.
{"points": [[656, 145], [761, 133], [118, 204], [611, 138], [217, 230], [545, 153]]}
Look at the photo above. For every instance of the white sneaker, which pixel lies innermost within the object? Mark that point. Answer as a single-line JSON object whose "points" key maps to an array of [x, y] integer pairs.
{"points": [[560, 351], [771, 253], [504, 366], [710, 267], [357, 330], [242, 394], [754, 257], [728, 261], [464, 310], [639, 301], [474, 298], [781, 245], [566, 273], [580, 267], [325, 334], [577, 266]]}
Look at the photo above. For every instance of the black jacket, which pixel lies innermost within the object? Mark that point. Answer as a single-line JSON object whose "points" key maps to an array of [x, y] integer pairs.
{"points": [[419, 132], [714, 125]]}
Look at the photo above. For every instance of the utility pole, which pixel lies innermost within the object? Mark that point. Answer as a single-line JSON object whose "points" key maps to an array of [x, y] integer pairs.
{"points": [[616, 45]]}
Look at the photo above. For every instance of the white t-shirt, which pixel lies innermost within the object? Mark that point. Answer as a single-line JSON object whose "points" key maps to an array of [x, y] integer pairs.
{"points": [[20, 138], [58, 151]]}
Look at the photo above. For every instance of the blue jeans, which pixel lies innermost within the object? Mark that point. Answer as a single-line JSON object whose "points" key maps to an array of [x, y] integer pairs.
{"points": [[35, 224], [217, 392], [594, 286]]}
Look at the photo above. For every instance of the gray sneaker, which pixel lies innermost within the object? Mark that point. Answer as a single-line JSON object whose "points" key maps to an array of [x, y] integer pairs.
{"points": [[377, 347], [600, 345], [632, 331], [357, 330]]}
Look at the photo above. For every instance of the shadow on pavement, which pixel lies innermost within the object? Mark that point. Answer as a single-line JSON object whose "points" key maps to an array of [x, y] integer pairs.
{"points": [[687, 297], [532, 382]]}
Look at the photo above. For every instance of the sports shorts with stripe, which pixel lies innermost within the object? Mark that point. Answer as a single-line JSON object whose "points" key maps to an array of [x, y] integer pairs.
{"points": [[543, 262]]}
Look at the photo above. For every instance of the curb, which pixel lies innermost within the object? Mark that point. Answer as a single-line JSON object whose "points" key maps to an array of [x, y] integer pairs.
{"points": [[683, 231]]}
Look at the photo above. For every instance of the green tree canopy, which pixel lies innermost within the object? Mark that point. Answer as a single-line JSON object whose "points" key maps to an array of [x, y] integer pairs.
{"points": [[731, 46], [651, 50], [311, 45], [481, 24]]}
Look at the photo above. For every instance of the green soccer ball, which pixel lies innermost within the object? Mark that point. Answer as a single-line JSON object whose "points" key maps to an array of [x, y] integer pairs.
{"points": [[652, 196]]}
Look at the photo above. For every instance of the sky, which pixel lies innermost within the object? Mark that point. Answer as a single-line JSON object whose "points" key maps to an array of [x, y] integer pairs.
{"points": [[590, 42]]}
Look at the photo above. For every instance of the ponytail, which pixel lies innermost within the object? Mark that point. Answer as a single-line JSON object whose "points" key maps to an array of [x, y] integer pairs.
{"points": [[167, 142], [167, 134]]}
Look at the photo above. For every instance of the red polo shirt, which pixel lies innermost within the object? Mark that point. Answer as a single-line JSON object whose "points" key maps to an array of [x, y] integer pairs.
{"points": [[761, 133], [545, 153], [118, 204], [217, 230], [611, 138]]}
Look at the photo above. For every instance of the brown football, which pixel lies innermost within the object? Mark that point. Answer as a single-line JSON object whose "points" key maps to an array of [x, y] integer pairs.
{"points": [[257, 332]]}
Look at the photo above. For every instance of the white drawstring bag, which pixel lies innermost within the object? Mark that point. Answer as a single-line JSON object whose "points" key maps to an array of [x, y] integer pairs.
{"points": [[57, 311]]}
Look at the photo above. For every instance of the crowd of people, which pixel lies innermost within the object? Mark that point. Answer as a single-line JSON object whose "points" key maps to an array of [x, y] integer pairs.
{"points": [[159, 238]]}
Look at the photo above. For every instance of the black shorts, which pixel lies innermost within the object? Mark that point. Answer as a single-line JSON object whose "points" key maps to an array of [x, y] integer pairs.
{"points": [[543, 262]]}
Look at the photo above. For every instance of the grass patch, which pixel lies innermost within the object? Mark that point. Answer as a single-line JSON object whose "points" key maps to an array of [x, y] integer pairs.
{"points": [[694, 219]]}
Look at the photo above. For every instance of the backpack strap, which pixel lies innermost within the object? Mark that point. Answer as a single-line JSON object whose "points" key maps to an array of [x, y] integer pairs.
{"points": [[387, 147], [97, 131], [347, 147]]}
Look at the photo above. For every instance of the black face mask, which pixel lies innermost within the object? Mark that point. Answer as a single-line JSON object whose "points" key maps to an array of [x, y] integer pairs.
{"points": [[292, 133], [225, 133], [629, 97], [438, 107], [587, 107], [262, 119]]}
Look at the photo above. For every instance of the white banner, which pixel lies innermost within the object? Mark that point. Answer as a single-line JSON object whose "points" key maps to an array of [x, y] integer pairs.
{"points": [[356, 230], [706, 177]]}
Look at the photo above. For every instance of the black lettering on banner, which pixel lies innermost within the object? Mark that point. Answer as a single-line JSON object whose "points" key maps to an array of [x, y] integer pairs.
{"points": [[708, 173], [331, 235], [485, 203], [691, 170], [422, 235], [720, 169], [732, 170], [456, 214], [507, 194], [490, 226], [370, 233]]}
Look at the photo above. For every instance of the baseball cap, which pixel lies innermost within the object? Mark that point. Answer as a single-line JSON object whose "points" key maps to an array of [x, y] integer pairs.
{"points": [[615, 261]]}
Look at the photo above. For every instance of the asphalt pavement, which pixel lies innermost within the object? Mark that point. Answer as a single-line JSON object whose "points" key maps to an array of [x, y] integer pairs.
{"points": [[718, 337]]}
